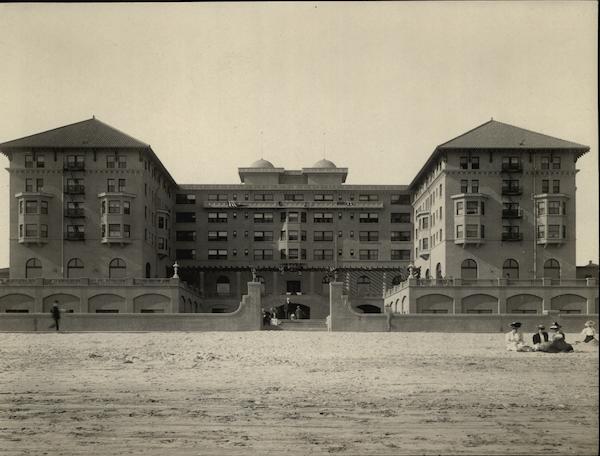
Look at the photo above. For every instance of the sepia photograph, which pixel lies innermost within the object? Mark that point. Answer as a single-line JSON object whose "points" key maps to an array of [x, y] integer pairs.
{"points": [[300, 228]]}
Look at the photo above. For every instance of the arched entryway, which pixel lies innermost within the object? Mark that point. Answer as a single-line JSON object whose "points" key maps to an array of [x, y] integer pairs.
{"points": [[468, 269], [510, 269], [148, 271], [369, 309], [552, 269], [33, 268], [285, 311]]}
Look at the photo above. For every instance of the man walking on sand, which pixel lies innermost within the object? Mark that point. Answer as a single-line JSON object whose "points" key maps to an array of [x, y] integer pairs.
{"points": [[55, 314]]}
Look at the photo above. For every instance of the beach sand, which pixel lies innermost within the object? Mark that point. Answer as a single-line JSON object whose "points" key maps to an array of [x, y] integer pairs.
{"points": [[292, 393]]}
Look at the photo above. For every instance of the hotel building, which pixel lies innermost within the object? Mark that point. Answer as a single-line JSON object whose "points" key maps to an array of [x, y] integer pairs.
{"points": [[88, 201]]}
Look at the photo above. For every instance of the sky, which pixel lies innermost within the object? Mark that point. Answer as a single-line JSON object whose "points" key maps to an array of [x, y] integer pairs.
{"points": [[371, 86]]}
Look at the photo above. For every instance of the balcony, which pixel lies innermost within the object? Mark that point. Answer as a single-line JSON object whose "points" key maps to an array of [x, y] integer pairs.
{"points": [[464, 241], [512, 190], [74, 212], [512, 237], [75, 237], [512, 168], [76, 166], [512, 213], [551, 239], [75, 189], [33, 240]]}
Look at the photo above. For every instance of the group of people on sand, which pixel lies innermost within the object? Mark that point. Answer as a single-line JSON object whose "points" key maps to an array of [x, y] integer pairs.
{"points": [[555, 342]]}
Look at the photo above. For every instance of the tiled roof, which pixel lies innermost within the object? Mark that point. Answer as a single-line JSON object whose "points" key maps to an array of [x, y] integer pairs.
{"points": [[87, 133], [498, 135]]}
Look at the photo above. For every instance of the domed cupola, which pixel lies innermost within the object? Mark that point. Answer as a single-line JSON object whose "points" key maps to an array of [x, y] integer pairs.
{"points": [[262, 164], [324, 164]]}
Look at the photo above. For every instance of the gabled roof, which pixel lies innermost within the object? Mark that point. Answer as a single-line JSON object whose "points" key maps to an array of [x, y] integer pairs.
{"points": [[498, 135], [89, 133]]}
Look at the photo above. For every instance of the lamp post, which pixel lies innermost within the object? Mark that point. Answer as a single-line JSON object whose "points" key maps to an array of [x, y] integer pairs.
{"points": [[175, 269]]}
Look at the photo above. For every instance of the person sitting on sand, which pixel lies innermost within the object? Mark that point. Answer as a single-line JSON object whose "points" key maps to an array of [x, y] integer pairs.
{"points": [[540, 337], [555, 330], [589, 332], [514, 338]]}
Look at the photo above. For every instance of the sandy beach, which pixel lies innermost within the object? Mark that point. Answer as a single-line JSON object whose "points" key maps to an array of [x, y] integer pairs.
{"points": [[295, 393]]}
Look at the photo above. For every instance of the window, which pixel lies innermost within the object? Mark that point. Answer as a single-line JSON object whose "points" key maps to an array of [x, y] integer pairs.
{"points": [[31, 207], [554, 207], [472, 231], [510, 186], [185, 199], [39, 185], [460, 208], [468, 269], [323, 197], [322, 254], [552, 269], [127, 231], [114, 230], [217, 197], [293, 197], [213, 217], [396, 236], [556, 186], [117, 268], [553, 231], [185, 235], [217, 254], [424, 244], [541, 231], [371, 254], [545, 162], [217, 235], [368, 197], [114, 207], [511, 163], [398, 255], [319, 236], [40, 161], [323, 217], [293, 254], [33, 268], [122, 161], [44, 231], [400, 217], [464, 186], [263, 217], [555, 162], [464, 162], [472, 207], [459, 232], [29, 185], [110, 161], [186, 254], [111, 186], [190, 217], [540, 207], [365, 236], [263, 197], [400, 199], [545, 186], [121, 185], [474, 162], [126, 208], [510, 269], [263, 236], [368, 217], [475, 186], [28, 161], [263, 254]]}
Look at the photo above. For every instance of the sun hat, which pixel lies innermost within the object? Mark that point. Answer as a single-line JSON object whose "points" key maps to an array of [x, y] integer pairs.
{"points": [[515, 324], [555, 325], [541, 327], [590, 323]]}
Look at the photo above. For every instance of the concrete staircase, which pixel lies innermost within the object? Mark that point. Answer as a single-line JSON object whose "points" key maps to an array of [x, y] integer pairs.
{"points": [[302, 325]]}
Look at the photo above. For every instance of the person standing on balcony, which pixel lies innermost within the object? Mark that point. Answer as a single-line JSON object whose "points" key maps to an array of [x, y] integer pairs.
{"points": [[55, 314]]}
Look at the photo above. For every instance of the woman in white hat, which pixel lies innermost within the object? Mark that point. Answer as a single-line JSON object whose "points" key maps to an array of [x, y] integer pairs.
{"points": [[514, 338], [589, 332]]}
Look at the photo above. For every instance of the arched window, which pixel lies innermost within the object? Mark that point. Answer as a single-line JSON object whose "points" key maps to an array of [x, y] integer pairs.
{"points": [[510, 269], [552, 269], [363, 283], [427, 274], [223, 286], [438, 271], [468, 269], [117, 268], [397, 280], [148, 271], [74, 268], [33, 268]]}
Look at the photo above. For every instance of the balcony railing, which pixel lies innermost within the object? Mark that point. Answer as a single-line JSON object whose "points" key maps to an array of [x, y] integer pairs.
{"points": [[512, 167], [75, 236], [74, 212], [511, 213], [512, 190], [75, 189], [512, 236], [78, 166]]}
